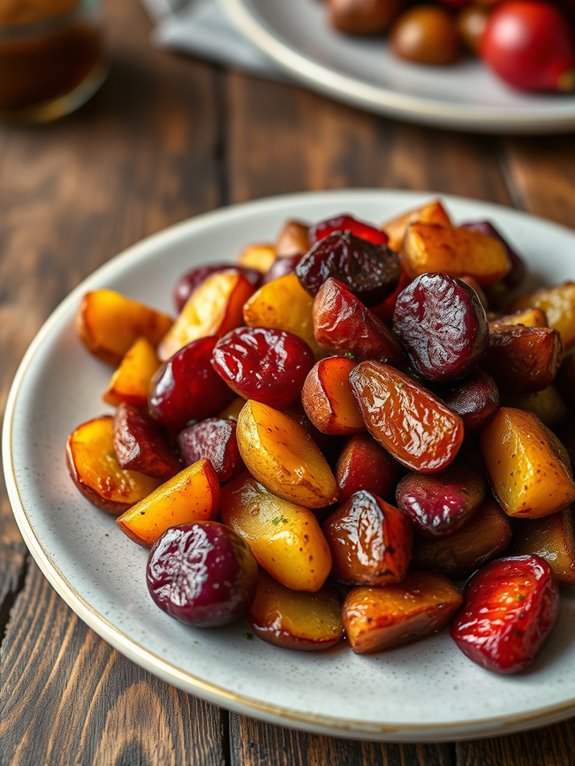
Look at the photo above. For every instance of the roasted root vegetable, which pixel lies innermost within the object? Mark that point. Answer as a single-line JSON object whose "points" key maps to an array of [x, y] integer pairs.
{"points": [[458, 252], [508, 612], [284, 305], [552, 538], [558, 303], [193, 494], [309, 622], [370, 541], [177, 574], [439, 505], [109, 323], [142, 445], [130, 382], [327, 398], [432, 212], [527, 467], [213, 309], [376, 619], [93, 466], [417, 429], [485, 536], [364, 465], [285, 538], [280, 454]]}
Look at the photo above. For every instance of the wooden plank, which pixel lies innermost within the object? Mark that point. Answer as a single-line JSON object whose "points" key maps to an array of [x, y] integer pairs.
{"points": [[256, 744], [552, 746], [284, 139], [542, 173]]}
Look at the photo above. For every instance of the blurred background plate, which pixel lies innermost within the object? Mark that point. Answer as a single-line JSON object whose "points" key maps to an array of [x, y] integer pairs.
{"points": [[364, 73]]}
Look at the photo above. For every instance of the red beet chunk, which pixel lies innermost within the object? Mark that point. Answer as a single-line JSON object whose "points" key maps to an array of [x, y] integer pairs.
{"points": [[510, 607], [281, 267], [364, 465], [202, 573], [187, 282], [341, 323], [186, 387], [441, 504], [264, 364], [141, 444], [346, 222], [442, 325], [518, 269], [370, 271], [215, 440], [476, 400]]}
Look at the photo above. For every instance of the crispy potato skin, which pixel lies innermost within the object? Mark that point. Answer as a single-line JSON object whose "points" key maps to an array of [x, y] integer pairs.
{"points": [[191, 495], [285, 538], [280, 454], [376, 619], [527, 467], [96, 472]]}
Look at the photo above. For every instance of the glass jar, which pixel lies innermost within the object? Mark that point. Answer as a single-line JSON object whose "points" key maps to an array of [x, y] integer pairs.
{"points": [[51, 57]]}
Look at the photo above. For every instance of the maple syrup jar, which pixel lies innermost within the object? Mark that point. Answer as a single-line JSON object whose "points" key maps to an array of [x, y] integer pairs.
{"points": [[51, 57]]}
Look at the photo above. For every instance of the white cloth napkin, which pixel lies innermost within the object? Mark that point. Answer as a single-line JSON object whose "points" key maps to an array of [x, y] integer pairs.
{"points": [[203, 28]]}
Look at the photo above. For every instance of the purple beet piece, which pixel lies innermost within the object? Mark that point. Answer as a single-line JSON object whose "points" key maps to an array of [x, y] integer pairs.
{"points": [[141, 444], [440, 504], [442, 326], [202, 573], [370, 271], [215, 440], [281, 267], [476, 400]]}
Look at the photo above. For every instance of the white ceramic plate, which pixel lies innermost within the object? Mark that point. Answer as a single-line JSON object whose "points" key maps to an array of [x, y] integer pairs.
{"points": [[364, 72], [426, 691]]}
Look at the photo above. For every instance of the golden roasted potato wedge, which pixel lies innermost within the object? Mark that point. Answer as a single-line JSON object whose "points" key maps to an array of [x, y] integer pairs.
{"points": [[284, 305], [459, 252], [193, 494], [547, 404], [527, 465], [130, 382], [529, 317], [258, 256], [280, 454], [558, 303], [213, 309], [294, 619], [432, 212], [108, 324], [376, 619], [96, 472], [552, 538], [285, 538]]}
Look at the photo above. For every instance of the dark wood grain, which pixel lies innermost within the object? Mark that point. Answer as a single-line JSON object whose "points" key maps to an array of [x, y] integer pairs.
{"points": [[167, 138]]}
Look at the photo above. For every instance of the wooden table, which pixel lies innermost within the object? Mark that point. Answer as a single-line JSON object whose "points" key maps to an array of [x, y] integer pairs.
{"points": [[165, 139]]}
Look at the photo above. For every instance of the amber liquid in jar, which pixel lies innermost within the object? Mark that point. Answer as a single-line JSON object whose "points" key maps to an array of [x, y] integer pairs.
{"points": [[51, 57]]}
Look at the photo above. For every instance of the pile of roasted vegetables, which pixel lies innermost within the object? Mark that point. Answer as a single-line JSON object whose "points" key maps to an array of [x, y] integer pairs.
{"points": [[358, 432]]}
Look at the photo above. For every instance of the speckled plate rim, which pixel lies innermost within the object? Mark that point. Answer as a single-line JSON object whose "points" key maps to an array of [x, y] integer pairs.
{"points": [[357, 92], [358, 729]]}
